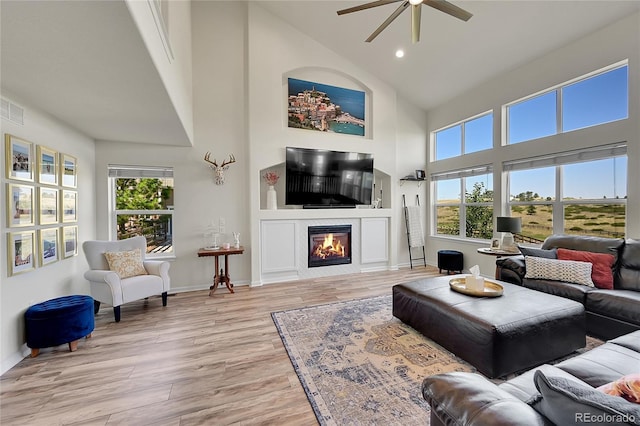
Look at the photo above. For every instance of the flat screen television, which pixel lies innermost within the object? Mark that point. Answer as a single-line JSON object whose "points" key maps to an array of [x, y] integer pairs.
{"points": [[319, 178]]}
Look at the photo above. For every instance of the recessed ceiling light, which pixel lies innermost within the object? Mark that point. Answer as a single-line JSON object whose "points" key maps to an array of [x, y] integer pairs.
{"points": [[399, 53]]}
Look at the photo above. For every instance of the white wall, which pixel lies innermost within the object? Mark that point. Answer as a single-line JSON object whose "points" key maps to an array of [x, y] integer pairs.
{"points": [[63, 277], [277, 51], [611, 44], [220, 124], [411, 151], [241, 55], [174, 66]]}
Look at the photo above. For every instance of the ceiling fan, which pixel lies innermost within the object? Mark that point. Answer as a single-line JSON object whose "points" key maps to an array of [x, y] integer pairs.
{"points": [[416, 7]]}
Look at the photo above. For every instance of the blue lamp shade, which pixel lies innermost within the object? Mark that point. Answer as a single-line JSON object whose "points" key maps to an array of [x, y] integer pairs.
{"points": [[509, 224]]}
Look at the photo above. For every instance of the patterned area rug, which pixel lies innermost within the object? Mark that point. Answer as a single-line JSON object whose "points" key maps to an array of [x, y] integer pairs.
{"points": [[360, 365]]}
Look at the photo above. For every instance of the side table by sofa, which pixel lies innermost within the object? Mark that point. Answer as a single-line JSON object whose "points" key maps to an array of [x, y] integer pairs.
{"points": [[498, 253]]}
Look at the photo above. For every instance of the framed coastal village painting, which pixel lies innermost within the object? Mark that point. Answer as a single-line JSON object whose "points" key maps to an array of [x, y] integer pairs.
{"points": [[325, 108]]}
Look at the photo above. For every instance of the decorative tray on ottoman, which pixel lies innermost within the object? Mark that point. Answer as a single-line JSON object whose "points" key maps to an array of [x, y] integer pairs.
{"points": [[491, 288]]}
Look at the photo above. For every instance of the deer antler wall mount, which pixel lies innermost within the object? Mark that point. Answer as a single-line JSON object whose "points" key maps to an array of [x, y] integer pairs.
{"points": [[219, 170]]}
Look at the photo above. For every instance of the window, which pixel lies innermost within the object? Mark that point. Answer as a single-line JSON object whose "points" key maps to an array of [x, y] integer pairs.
{"points": [[464, 203], [596, 100], [588, 101], [532, 119], [142, 204], [475, 134], [580, 192]]}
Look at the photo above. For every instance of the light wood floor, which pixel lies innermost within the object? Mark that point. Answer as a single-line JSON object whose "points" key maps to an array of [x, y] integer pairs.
{"points": [[200, 361]]}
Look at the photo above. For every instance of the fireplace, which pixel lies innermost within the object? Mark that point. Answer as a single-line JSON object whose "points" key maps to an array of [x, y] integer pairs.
{"points": [[329, 245]]}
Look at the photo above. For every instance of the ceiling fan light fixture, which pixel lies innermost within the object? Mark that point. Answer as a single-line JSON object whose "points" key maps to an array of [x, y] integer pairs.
{"points": [[416, 8]]}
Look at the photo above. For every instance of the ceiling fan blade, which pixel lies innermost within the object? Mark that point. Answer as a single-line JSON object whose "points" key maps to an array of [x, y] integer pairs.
{"points": [[389, 20], [451, 9], [415, 22], [366, 6]]}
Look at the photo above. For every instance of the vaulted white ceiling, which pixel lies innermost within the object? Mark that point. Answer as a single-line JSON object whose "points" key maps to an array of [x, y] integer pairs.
{"points": [[452, 56], [85, 63]]}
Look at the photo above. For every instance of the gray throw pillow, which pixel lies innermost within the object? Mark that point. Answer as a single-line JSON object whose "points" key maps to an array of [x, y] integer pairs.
{"points": [[567, 402], [537, 252]]}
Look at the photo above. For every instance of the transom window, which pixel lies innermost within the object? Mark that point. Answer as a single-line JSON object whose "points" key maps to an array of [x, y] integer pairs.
{"points": [[596, 99], [472, 135]]}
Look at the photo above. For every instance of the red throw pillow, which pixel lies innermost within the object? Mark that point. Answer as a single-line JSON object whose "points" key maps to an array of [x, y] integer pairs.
{"points": [[601, 273]]}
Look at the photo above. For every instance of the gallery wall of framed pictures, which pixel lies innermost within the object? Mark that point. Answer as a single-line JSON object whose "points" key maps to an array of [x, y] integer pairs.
{"points": [[41, 207]]}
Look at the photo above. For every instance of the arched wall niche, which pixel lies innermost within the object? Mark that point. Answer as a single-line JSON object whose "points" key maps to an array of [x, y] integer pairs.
{"points": [[331, 77]]}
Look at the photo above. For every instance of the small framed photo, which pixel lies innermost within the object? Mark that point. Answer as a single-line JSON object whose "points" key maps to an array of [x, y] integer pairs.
{"points": [[495, 243], [48, 239], [20, 201], [68, 171], [19, 158], [20, 249], [48, 206], [69, 241], [47, 166], [69, 206], [420, 174]]}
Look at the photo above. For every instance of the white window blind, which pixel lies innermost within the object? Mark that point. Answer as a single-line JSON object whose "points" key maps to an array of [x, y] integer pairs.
{"points": [[118, 171], [475, 171], [568, 157]]}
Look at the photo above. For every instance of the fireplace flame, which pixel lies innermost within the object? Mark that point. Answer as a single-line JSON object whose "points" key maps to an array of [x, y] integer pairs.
{"points": [[329, 248]]}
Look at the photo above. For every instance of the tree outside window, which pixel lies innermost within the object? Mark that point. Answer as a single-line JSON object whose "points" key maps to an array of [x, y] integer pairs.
{"points": [[144, 206], [470, 216]]}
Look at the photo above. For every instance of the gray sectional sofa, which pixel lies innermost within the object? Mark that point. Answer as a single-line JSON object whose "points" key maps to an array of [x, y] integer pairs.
{"points": [[610, 313]]}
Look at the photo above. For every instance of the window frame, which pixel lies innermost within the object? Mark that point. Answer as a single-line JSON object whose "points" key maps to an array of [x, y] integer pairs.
{"points": [[559, 102], [462, 204], [558, 203], [462, 124], [145, 172]]}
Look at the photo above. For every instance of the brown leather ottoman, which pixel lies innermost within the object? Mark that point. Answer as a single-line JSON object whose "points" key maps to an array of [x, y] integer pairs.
{"points": [[498, 335]]}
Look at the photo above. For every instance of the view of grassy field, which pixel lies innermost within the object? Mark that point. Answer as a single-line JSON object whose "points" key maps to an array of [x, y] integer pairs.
{"points": [[604, 220]]}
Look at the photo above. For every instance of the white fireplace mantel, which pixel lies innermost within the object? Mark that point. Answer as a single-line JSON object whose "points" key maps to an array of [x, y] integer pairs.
{"points": [[284, 242]]}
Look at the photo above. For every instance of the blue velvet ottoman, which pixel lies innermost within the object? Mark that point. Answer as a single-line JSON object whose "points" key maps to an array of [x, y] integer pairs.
{"points": [[57, 321]]}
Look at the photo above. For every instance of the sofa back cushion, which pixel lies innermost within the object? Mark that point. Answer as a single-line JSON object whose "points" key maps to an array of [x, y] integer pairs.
{"points": [[628, 274], [583, 243]]}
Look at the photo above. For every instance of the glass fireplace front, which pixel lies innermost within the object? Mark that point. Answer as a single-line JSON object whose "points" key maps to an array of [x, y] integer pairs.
{"points": [[329, 245]]}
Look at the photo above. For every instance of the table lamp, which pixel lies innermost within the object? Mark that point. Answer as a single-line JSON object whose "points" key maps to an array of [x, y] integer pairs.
{"points": [[508, 226]]}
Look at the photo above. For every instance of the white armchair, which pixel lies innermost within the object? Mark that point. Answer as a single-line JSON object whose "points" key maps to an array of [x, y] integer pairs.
{"points": [[108, 287]]}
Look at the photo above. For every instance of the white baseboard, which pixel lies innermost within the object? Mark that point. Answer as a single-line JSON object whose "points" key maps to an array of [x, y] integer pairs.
{"points": [[13, 359]]}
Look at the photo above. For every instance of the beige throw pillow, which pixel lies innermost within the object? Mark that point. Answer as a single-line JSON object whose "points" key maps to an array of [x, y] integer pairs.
{"points": [[126, 263]]}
